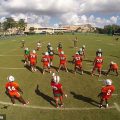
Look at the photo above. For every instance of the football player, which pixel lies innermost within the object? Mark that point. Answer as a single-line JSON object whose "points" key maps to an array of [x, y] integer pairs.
{"points": [[59, 48], [99, 51], [46, 62], [98, 61], [83, 50], [57, 91], [23, 43], [77, 59], [113, 67], [51, 55], [26, 55], [33, 60], [48, 46], [13, 90], [63, 61], [106, 92], [38, 46]]}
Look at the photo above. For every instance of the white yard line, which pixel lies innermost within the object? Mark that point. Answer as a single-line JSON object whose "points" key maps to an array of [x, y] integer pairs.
{"points": [[12, 68], [52, 108], [117, 107], [12, 55]]}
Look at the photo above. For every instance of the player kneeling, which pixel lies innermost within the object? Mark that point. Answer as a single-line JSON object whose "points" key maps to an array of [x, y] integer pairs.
{"points": [[12, 89], [113, 67], [106, 92], [57, 91]]}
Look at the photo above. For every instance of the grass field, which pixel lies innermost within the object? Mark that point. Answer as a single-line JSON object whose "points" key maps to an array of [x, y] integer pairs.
{"points": [[82, 90]]}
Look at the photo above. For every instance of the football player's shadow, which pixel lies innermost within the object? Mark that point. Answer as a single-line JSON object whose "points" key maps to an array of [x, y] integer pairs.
{"points": [[44, 96], [85, 99]]}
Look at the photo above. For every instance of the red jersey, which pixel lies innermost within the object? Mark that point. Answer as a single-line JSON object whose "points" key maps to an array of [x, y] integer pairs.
{"points": [[56, 88], [46, 59], [98, 61], [114, 66], [33, 57], [107, 91], [12, 87], [63, 59], [78, 59]]}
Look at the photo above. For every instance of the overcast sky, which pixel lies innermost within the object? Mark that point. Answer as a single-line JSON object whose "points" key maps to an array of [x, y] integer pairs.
{"points": [[55, 12]]}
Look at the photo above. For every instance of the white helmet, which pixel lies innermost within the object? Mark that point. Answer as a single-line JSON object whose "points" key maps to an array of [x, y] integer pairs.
{"points": [[26, 48], [56, 79], [108, 82], [34, 51], [46, 53], [83, 46], [51, 48], [53, 74], [99, 50], [99, 55], [10, 78], [81, 49], [49, 43], [77, 53], [62, 52], [111, 62]]}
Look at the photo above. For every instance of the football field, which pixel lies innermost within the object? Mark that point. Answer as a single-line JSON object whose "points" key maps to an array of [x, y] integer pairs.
{"points": [[82, 90]]}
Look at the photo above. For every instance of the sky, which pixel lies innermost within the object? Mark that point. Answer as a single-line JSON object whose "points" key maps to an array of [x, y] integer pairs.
{"points": [[62, 12]]}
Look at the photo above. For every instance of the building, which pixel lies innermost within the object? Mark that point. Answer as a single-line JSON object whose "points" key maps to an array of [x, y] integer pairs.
{"points": [[36, 28]]}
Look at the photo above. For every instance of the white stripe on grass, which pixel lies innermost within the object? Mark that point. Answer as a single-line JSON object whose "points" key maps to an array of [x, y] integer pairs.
{"points": [[52, 108], [117, 107], [7, 68]]}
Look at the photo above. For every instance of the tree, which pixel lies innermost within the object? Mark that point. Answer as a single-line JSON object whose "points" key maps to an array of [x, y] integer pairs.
{"points": [[9, 23], [21, 24]]}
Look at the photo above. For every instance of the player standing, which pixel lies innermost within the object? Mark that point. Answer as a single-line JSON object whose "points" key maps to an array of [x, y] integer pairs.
{"points": [[26, 55], [59, 48], [99, 52], [63, 61], [57, 91], [46, 62], [83, 50], [13, 89], [113, 67], [33, 60], [38, 46], [106, 92], [98, 61], [77, 59], [51, 55], [23, 43]]}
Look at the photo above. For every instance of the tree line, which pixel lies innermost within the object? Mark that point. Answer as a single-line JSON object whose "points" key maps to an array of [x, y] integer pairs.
{"points": [[10, 23], [109, 29]]}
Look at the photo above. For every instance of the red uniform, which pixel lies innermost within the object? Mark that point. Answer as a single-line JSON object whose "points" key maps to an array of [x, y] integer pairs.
{"points": [[63, 59], [78, 60], [12, 89], [33, 58], [114, 66], [56, 89], [98, 62], [46, 61], [107, 91]]}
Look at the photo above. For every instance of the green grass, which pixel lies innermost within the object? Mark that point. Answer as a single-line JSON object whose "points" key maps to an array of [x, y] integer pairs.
{"points": [[83, 86]]}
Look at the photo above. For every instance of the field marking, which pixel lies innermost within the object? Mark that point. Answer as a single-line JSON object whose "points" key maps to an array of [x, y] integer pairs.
{"points": [[12, 55], [12, 68], [117, 107], [114, 94], [52, 108]]}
